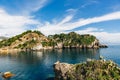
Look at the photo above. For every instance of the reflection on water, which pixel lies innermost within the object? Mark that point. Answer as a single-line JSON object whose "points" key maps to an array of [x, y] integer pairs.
{"points": [[38, 65]]}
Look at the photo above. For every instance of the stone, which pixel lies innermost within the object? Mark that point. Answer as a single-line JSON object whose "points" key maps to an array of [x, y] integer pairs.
{"points": [[7, 75], [61, 69]]}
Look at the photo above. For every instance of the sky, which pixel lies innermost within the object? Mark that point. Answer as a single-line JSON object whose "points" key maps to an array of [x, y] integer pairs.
{"points": [[100, 18]]}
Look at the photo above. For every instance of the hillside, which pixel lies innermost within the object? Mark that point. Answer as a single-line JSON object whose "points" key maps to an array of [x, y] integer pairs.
{"points": [[35, 40], [89, 70], [28, 40]]}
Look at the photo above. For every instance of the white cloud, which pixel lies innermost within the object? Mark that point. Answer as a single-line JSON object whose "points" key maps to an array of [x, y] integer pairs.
{"points": [[108, 38], [89, 2], [82, 22], [65, 20], [24, 7], [39, 4], [104, 37], [12, 25], [68, 24], [71, 11], [88, 30], [54, 28], [32, 5]]}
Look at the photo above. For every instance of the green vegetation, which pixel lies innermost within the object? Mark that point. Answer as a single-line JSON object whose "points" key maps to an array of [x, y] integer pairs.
{"points": [[73, 39], [9, 41], [48, 43], [38, 32], [28, 44], [94, 70], [26, 40]]}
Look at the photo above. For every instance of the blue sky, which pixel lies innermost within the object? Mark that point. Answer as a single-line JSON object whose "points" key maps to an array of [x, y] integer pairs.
{"points": [[97, 17]]}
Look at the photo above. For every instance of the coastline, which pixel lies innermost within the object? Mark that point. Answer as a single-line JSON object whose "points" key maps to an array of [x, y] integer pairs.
{"points": [[9, 50]]}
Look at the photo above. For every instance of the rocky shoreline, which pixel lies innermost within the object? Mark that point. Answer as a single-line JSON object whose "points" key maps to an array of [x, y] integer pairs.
{"points": [[89, 70], [8, 50], [94, 45]]}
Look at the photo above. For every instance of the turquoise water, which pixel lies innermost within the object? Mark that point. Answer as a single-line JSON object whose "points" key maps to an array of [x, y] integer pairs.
{"points": [[39, 65]]}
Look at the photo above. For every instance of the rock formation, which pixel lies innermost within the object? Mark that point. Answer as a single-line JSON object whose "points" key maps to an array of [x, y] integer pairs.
{"points": [[74, 40], [89, 70]]}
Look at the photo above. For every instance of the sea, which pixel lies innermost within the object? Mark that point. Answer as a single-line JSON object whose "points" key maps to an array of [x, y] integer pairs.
{"points": [[38, 65]]}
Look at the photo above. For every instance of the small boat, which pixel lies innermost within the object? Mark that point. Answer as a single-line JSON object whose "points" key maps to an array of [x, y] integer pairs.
{"points": [[7, 75]]}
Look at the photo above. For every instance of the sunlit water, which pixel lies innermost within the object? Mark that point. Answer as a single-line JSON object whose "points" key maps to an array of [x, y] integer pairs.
{"points": [[39, 65]]}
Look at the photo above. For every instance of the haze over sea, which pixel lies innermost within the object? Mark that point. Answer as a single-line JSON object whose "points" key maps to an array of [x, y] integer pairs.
{"points": [[39, 65]]}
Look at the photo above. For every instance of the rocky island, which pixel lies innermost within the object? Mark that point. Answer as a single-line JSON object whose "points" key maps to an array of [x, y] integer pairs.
{"points": [[89, 70], [35, 40]]}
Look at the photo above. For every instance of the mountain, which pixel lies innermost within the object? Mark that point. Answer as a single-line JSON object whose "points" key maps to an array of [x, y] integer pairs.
{"points": [[89, 70], [35, 40]]}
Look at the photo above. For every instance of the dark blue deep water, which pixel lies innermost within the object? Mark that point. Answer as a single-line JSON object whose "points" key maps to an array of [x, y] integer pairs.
{"points": [[39, 65]]}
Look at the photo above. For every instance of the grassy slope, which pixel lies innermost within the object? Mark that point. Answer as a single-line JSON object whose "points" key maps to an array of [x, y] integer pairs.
{"points": [[95, 70]]}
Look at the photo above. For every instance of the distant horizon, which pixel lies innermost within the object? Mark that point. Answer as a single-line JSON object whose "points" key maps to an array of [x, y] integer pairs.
{"points": [[100, 18]]}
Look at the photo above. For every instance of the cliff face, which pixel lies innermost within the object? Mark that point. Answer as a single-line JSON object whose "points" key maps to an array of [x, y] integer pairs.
{"points": [[74, 40], [90, 70]]}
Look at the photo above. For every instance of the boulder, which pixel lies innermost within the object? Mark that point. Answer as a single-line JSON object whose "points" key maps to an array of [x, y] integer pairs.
{"points": [[61, 69]]}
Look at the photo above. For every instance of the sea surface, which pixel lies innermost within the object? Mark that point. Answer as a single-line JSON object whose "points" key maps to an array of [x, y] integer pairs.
{"points": [[39, 65]]}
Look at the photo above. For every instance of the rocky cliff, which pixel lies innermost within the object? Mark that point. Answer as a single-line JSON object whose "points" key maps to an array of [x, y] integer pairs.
{"points": [[74, 40], [89, 70]]}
